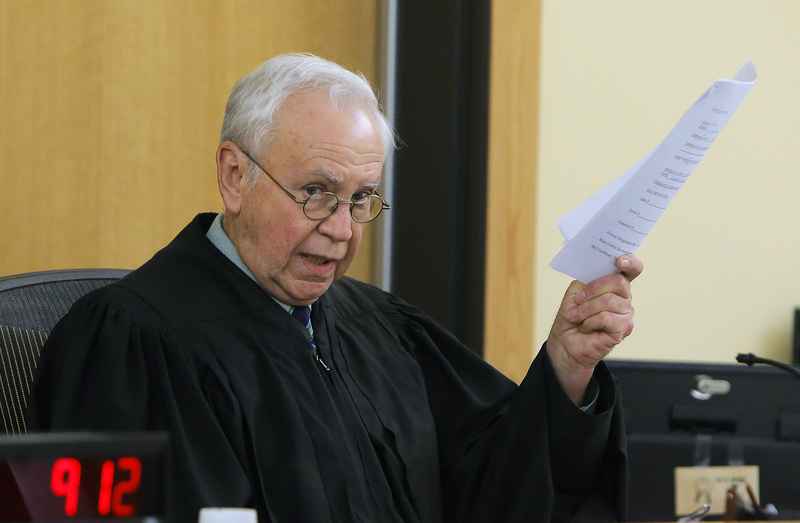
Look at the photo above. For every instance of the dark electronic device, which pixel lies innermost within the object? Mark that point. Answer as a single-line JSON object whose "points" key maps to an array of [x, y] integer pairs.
{"points": [[79, 476], [690, 414]]}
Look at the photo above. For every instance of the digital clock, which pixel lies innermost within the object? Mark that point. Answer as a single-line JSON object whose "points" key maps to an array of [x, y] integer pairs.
{"points": [[83, 476]]}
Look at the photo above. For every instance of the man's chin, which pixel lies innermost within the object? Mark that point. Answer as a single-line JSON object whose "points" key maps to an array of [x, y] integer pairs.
{"points": [[306, 293]]}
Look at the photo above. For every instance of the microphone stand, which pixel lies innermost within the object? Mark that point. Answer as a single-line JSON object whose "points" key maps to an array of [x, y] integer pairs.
{"points": [[751, 359]]}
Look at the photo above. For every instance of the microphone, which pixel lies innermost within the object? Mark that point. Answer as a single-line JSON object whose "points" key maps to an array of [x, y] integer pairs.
{"points": [[751, 359]]}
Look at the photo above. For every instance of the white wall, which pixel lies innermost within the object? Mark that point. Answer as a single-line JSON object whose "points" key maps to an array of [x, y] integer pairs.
{"points": [[721, 266]]}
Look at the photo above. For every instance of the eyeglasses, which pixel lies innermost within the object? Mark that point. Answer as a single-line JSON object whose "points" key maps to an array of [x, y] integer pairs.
{"points": [[320, 205]]}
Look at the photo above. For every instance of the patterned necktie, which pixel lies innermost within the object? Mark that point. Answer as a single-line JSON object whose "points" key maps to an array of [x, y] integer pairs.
{"points": [[303, 315]]}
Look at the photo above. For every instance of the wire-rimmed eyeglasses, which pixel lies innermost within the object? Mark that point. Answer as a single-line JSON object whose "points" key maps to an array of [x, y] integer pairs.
{"points": [[320, 205]]}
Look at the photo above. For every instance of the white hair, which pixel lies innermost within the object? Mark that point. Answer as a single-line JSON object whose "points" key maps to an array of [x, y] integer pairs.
{"points": [[251, 113]]}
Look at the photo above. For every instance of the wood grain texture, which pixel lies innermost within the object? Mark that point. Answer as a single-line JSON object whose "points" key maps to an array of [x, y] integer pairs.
{"points": [[111, 113], [513, 116]]}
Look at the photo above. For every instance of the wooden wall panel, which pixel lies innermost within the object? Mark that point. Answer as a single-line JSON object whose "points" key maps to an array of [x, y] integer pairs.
{"points": [[111, 113], [509, 342]]}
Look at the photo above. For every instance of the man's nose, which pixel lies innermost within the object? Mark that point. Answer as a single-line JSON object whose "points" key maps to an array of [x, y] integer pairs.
{"points": [[339, 225]]}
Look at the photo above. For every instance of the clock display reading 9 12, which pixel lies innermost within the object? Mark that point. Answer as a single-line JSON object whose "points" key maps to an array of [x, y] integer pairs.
{"points": [[63, 487]]}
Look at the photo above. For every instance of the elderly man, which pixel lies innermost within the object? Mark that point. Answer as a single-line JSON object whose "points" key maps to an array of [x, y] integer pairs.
{"points": [[368, 411]]}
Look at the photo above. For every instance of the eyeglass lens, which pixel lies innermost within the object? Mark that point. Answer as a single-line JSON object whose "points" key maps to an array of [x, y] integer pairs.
{"points": [[322, 205]]}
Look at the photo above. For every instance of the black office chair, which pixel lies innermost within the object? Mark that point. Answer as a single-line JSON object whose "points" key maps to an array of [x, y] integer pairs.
{"points": [[30, 305]]}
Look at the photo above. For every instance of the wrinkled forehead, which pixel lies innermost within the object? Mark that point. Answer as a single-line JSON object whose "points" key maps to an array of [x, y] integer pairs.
{"points": [[311, 118], [311, 124]]}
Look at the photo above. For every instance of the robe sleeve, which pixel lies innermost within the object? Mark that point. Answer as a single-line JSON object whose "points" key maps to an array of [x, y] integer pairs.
{"points": [[516, 453], [112, 365]]}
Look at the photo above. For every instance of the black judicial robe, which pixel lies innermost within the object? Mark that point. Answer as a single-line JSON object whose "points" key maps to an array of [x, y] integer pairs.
{"points": [[406, 425]]}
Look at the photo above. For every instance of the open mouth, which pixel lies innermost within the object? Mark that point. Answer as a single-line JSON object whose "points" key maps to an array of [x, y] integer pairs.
{"points": [[316, 260]]}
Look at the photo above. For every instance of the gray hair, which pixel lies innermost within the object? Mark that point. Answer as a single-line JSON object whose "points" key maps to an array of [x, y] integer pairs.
{"points": [[251, 113]]}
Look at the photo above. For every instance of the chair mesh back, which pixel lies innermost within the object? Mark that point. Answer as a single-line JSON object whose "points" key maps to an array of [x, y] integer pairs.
{"points": [[30, 305]]}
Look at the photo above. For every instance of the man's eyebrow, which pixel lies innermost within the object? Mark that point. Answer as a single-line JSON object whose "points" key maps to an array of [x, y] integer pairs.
{"points": [[340, 179], [326, 174]]}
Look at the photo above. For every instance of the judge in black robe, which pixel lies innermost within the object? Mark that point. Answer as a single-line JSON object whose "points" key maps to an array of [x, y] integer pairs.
{"points": [[406, 425], [393, 419]]}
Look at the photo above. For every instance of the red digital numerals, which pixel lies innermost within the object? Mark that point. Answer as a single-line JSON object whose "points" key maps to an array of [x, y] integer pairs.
{"points": [[65, 482]]}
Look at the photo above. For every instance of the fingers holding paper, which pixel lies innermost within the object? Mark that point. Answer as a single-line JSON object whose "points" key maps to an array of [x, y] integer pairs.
{"points": [[592, 320]]}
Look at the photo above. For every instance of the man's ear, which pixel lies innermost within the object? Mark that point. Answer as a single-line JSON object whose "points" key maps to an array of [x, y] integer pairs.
{"points": [[231, 176]]}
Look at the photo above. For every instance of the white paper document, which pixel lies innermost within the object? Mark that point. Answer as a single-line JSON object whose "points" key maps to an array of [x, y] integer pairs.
{"points": [[617, 219]]}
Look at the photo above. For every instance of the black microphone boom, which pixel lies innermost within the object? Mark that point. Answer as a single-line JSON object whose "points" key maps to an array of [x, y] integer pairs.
{"points": [[751, 359]]}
